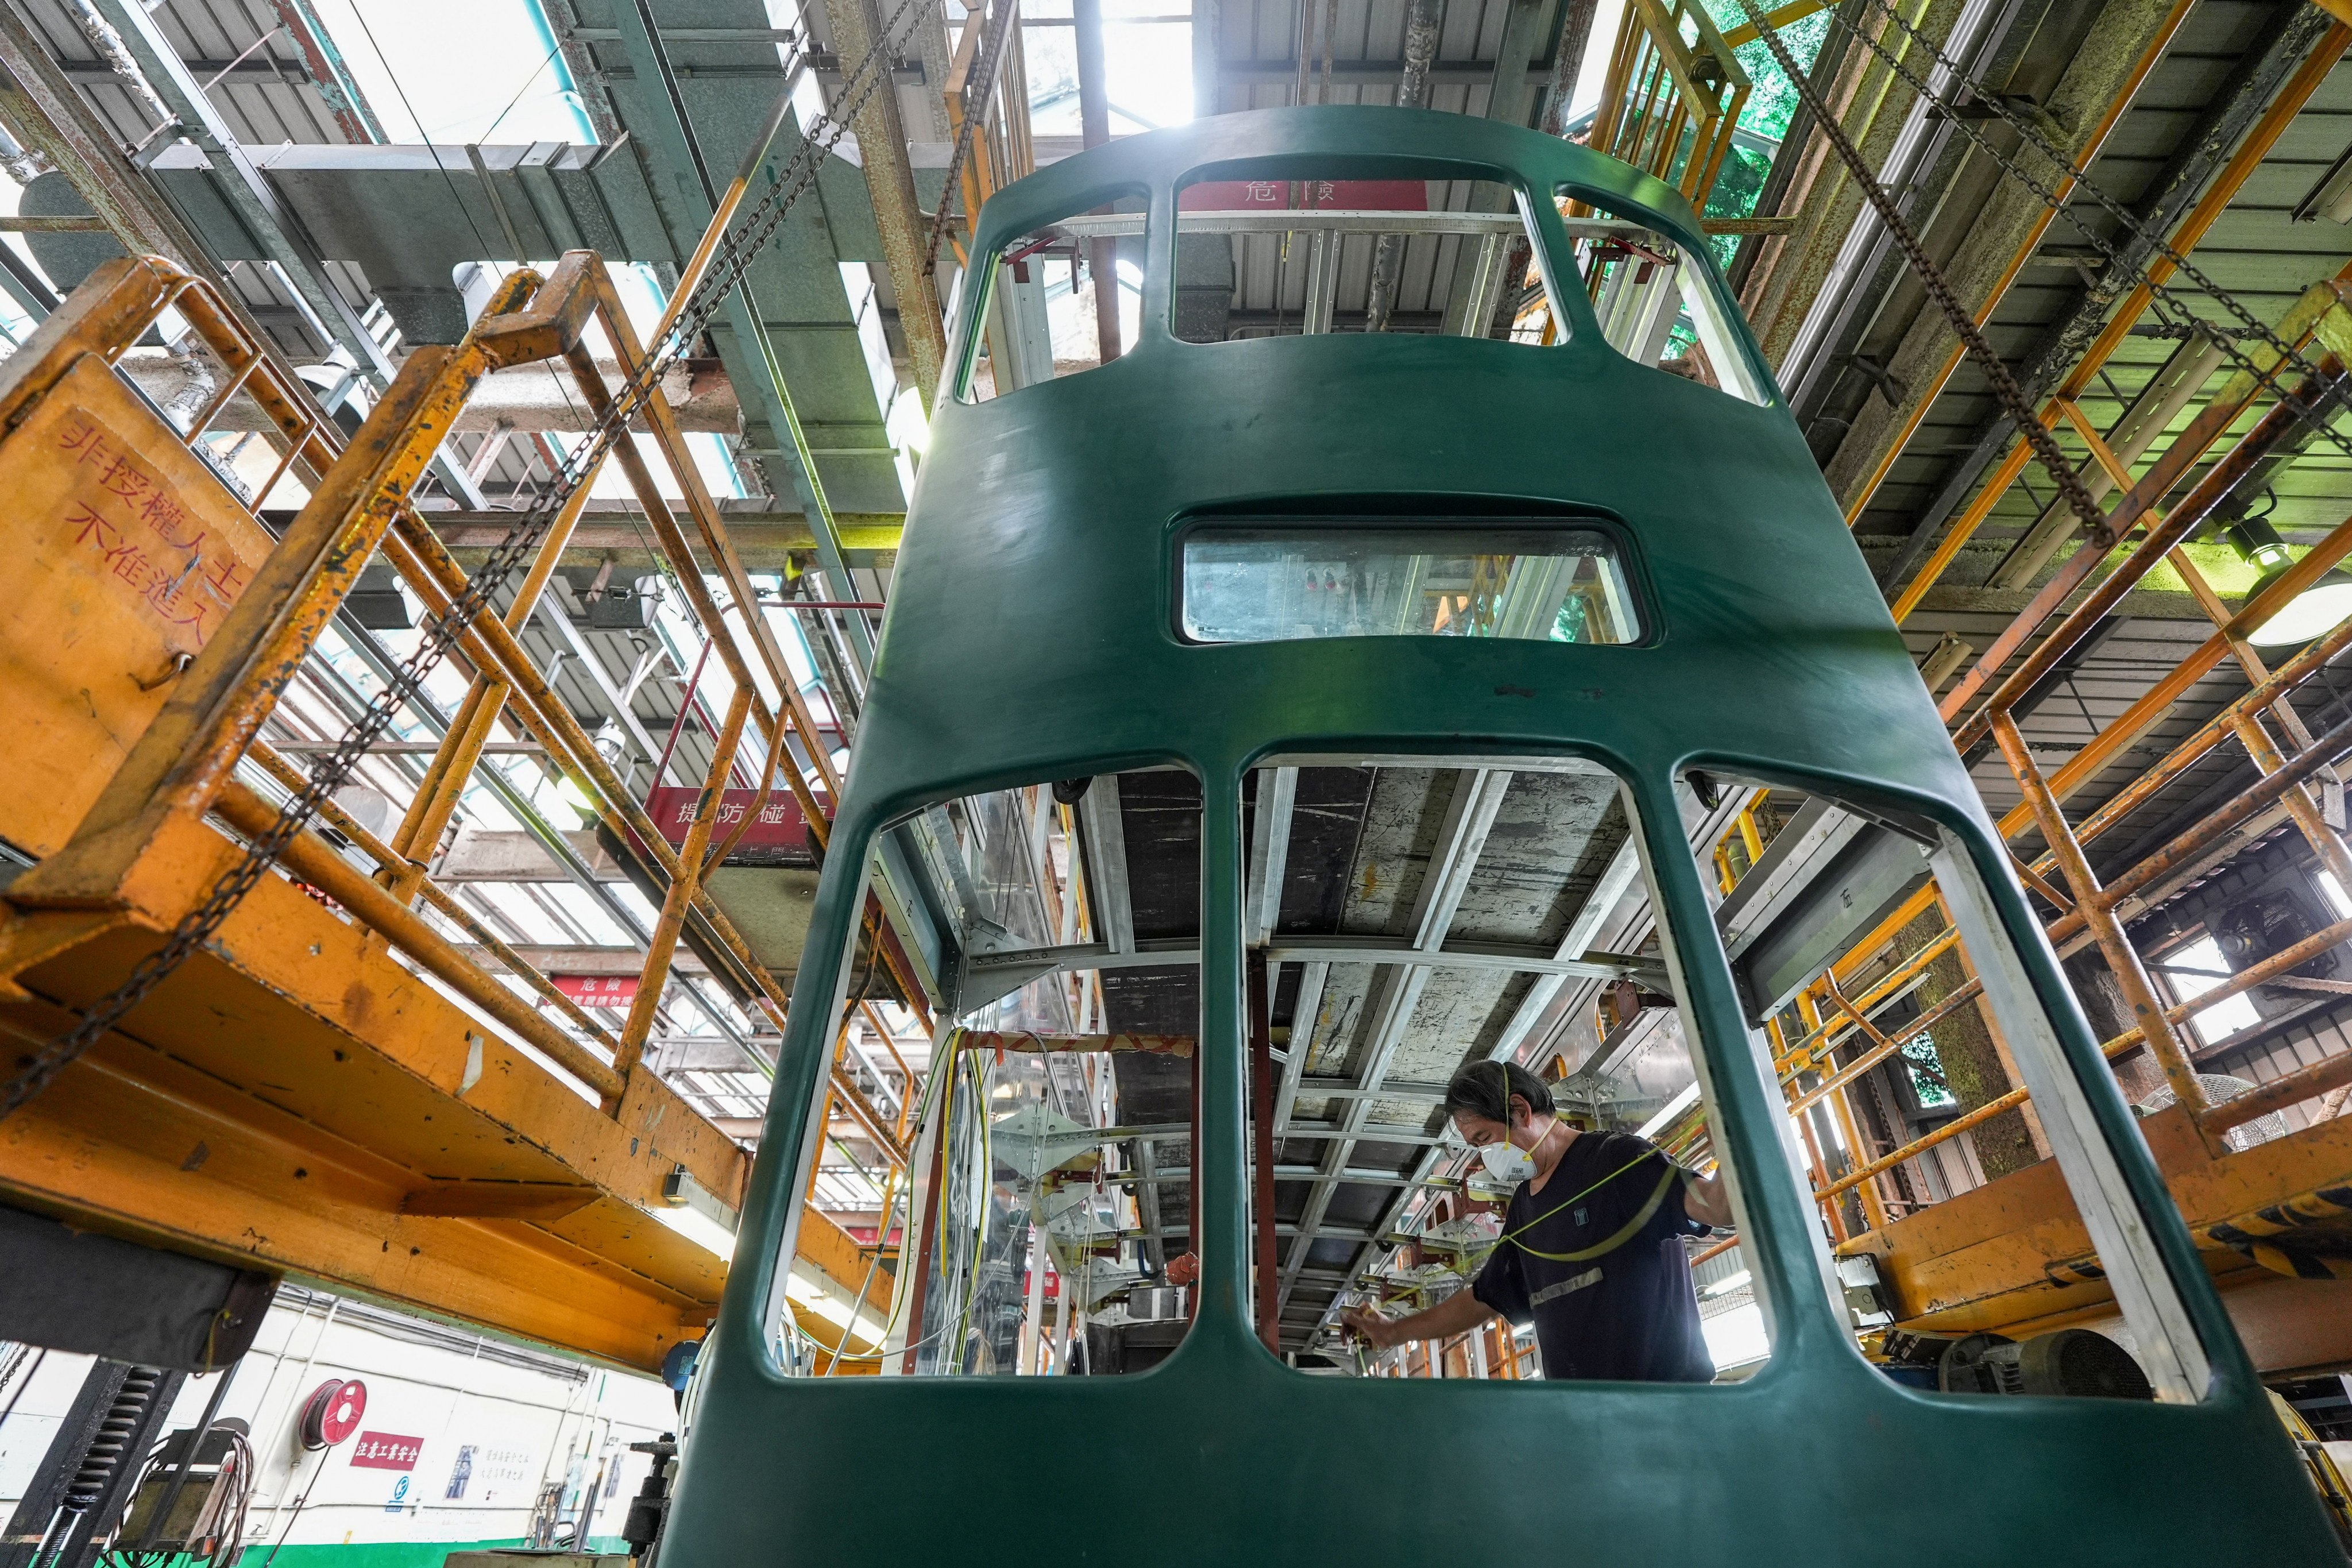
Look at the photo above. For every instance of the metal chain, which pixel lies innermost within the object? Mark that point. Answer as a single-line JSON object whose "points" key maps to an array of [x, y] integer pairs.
{"points": [[2316, 413], [1996, 373], [986, 64], [732, 258]]}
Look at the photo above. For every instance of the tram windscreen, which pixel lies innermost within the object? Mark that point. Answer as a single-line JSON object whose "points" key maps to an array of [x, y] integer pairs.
{"points": [[1012, 1196], [1411, 920], [1266, 250], [1259, 583], [1958, 1178]]}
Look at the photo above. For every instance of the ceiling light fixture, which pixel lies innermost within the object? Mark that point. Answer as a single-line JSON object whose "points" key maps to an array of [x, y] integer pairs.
{"points": [[696, 1213], [2310, 615]]}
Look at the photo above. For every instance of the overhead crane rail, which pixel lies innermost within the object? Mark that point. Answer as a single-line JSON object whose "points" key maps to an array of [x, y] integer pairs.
{"points": [[329, 1085]]}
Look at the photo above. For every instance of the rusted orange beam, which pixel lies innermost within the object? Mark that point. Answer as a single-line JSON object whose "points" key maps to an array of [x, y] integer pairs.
{"points": [[679, 897], [2211, 489], [2095, 906], [265, 756], [219, 703], [2211, 829], [320, 866]]}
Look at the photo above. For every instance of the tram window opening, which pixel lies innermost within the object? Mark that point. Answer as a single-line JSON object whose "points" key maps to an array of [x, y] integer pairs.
{"points": [[1245, 582], [1956, 1173], [1063, 298], [1658, 301], [1012, 1196], [1268, 251], [1409, 919]]}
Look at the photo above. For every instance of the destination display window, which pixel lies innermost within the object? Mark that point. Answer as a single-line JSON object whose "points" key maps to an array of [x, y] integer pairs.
{"points": [[1248, 581], [1966, 1196], [1265, 250], [1065, 298], [1014, 1198], [1485, 1141], [1658, 301]]}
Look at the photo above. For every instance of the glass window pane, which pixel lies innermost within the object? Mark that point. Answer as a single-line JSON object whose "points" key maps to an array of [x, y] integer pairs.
{"points": [[1277, 584], [1062, 299], [1976, 1239]]}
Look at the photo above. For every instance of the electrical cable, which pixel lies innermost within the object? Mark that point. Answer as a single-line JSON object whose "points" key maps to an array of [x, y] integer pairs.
{"points": [[731, 259], [512, 102], [228, 1518], [431, 151], [940, 1083], [299, 1504]]}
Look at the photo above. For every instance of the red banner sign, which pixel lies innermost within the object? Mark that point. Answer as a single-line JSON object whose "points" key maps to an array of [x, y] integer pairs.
{"points": [[598, 990], [779, 835], [1278, 196], [385, 1451]]}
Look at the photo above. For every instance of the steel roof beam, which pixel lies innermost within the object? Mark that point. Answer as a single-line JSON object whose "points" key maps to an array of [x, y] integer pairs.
{"points": [[1104, 831], [251, 197], [891, 187], [1369, 72], [1269, 854], [1154, 952], [689, 204], [1281, 1173], [1373, 1132], [1306, 1012], [2287, 40], [1605, 896]]}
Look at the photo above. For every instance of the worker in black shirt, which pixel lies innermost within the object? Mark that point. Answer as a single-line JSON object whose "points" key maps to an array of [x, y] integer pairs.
{"points": [[1592, 1241]]}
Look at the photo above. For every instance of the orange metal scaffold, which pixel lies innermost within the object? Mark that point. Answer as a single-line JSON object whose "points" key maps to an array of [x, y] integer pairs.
{"points": [[332, 1086]]}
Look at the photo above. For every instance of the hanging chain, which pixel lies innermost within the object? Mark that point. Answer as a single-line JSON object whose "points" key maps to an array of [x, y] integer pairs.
{"points": [[2316, 413], [987, 65], [730, 259], [1996, 372]]}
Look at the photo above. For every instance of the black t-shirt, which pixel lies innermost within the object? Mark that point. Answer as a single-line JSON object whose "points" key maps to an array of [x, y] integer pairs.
{"points": [[1626, 1314]]}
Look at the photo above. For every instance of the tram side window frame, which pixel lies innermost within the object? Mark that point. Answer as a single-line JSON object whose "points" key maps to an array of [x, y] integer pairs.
{"points": [[2057, 1061], [977, 289], [897, 1352], [1756, 384], [1526, 1379]]}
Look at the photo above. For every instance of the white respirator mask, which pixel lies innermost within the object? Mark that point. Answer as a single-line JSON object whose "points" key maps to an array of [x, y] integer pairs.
{"points": [[1506, 1161]]}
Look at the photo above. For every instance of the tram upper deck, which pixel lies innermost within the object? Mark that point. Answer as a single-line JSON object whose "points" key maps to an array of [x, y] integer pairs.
{"points": [[1757, 646]]}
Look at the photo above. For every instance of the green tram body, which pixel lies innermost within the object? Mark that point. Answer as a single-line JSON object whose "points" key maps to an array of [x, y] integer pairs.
{"points": [[1030, 636]]}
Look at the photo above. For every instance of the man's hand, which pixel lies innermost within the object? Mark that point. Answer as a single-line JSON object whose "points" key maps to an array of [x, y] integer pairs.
{"points": [[1707, 1200], [1381, 1332]]}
